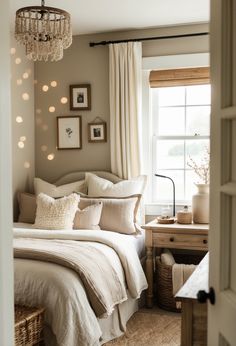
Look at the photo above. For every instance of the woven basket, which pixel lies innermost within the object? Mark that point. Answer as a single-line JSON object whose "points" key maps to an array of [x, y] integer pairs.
{"points": [[184, 217], [165, 298], [28, 325]]}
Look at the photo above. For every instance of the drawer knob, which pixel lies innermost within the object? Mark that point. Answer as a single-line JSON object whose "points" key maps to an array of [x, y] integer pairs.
{"points": [[204, 241], [172, 239]]}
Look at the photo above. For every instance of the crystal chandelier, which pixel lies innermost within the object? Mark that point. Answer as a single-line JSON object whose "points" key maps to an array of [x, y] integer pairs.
{"points": [[44, 31]]}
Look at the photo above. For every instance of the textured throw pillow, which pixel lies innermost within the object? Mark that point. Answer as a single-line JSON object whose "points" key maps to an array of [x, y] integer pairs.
{"points": [[27, 207], [98, 187], [89, 217], [41, 186], [118, 214], [56, 213]]}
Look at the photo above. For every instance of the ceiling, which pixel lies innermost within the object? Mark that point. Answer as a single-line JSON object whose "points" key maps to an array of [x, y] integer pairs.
{"points": [[93, 16]]}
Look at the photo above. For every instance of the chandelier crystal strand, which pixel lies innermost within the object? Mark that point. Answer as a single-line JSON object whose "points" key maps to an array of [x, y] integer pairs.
{"points": [[44, 31]]}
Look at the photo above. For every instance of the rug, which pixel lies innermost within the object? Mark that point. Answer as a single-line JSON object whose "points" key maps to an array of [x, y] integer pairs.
{"points": [[151, 328]]}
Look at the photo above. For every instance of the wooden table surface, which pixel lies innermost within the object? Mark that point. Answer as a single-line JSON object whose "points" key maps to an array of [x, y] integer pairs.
{"points": [[199, 280]]}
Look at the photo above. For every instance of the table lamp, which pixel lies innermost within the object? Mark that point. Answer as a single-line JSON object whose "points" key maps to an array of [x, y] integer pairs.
{"points": [[164, 176]]}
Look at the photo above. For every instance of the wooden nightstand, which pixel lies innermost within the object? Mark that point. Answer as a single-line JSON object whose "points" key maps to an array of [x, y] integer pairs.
{"points": [[175, 236]]}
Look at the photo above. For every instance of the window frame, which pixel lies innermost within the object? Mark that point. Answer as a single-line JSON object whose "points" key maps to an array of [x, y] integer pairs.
{"points": [[175, 79]]}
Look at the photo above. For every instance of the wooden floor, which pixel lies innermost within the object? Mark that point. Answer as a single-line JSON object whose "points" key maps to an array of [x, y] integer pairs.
{"points": [[151, 327]]}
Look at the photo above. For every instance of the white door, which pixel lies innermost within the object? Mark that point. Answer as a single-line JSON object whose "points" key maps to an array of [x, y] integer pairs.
{"points": [[6, 260], [222, 315]]}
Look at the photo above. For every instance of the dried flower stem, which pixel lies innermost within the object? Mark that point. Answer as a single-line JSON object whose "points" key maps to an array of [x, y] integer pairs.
{"points": [[202, 170]]}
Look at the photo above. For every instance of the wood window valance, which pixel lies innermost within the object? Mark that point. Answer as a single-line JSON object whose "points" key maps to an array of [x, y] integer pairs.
{"points": [[179, 77]]}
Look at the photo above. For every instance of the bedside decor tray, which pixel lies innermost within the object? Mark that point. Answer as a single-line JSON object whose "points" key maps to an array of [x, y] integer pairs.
{"points": [[165, 219]]}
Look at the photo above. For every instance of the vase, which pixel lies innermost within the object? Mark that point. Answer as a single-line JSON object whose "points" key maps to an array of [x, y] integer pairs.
{"points": [[200, 204]]}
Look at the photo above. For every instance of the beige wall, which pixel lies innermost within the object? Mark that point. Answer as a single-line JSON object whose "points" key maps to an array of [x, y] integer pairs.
{"points": [[82, 64], [22, 79]]}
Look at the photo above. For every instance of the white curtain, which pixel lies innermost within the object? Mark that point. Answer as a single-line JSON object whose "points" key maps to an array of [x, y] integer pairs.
{"points": [[125, 72]]}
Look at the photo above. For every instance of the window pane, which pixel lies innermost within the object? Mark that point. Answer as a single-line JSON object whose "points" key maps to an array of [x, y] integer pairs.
{"points": [[163, 188], [198, 120], [171, 121], [169, 154], [174, 96], [198, 95], [197, 151], [191, 189], [179, 111]]}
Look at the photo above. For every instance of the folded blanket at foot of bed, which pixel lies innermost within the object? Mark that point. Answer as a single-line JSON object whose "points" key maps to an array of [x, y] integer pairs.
{"points": [[77, 251]]}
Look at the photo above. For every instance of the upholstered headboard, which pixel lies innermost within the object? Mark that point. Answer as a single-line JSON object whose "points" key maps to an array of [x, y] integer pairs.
{"points": [[79, 175]]}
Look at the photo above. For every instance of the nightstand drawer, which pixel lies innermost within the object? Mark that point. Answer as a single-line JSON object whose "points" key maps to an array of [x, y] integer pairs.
{"points": [[179, 241]]}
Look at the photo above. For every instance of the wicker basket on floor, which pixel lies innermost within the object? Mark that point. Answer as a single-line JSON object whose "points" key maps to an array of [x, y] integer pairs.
{"points": [[28, 325], [165, 298]]}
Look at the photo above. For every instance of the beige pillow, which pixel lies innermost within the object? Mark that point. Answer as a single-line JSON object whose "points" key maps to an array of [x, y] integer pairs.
{"points": [[118, 214], [98, 187], [89, 217], [56, 213], [27, 207], [41, 186]]}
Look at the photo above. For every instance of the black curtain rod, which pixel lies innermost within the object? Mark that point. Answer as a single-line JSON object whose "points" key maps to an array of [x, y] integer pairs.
{"points": [[104, 43]]}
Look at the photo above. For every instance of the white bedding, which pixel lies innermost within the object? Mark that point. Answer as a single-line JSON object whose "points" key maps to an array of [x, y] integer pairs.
{"points": [[68, 312], [138, 240]]}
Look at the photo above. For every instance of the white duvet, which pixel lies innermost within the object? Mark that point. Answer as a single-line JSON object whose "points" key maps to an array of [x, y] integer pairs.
{"points": [[60, 290]]}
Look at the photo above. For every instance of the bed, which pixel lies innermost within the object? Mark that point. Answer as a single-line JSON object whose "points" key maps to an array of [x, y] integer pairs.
{"points": [[70, 318]]}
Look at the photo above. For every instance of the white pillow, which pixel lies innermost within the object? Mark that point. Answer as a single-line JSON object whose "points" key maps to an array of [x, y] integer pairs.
{"points": [[41, 186], [56, 213], [99, 187], [89, 217]]}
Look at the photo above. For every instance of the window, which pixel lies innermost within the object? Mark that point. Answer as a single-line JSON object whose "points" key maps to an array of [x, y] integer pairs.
{"points": [[181, 129]]}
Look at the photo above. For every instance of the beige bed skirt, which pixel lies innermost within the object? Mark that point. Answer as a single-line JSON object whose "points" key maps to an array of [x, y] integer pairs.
{"points": [[112, 327]]}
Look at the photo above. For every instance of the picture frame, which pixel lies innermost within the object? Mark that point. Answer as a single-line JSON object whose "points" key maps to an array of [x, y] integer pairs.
{"points": [[80, 97], [69, 132], [97, 132]]}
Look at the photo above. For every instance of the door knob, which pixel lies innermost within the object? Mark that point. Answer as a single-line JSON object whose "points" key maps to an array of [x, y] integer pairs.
{"points": [[202, 296]]}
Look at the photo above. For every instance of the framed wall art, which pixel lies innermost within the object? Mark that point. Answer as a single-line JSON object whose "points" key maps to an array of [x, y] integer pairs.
{"points": [[69, 132], [97, 132], [80, 97]]}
